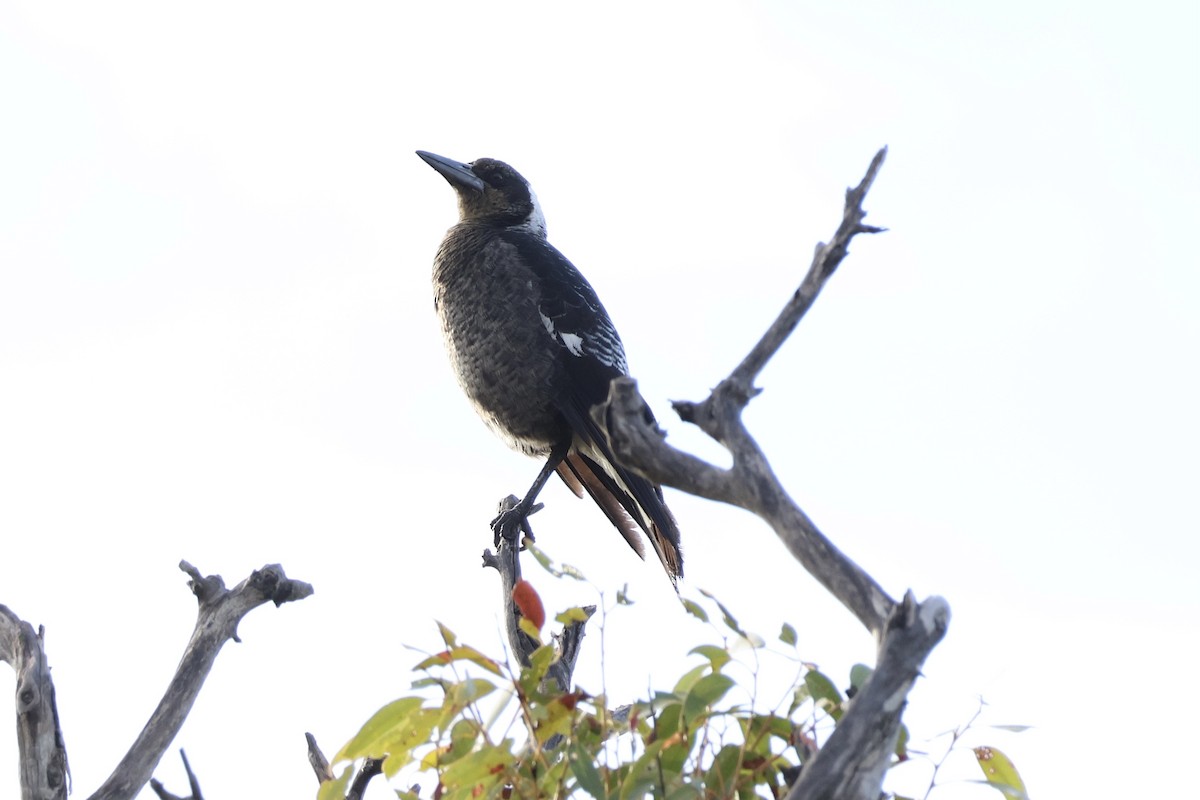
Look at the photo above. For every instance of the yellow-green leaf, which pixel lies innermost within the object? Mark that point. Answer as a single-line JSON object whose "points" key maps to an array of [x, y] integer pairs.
{"points": [[585, 772], [1000, 772], [717, 656], [379, 729], [695, 609], [707, 691], [336, 788]]}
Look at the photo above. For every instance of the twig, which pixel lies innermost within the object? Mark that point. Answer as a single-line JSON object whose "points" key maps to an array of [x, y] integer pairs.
{"points": [[193, 784]]}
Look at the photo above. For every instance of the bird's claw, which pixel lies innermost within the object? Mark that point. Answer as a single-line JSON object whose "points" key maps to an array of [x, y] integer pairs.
{"points": [[512, 521]]}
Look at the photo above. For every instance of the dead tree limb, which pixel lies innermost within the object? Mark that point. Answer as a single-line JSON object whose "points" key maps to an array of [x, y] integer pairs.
{"points": [[43, 767], [220, 612], [43, 756], [852, 763]]}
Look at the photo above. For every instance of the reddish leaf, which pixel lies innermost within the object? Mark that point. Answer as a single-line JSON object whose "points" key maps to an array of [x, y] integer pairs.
{"points": [[529, 604]]}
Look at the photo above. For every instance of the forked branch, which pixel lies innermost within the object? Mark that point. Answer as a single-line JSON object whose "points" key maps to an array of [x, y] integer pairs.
{"points": [[852, 763]]}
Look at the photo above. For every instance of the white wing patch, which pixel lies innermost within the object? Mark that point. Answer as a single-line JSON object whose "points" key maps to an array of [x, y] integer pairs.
{"points": [[572, 341]]}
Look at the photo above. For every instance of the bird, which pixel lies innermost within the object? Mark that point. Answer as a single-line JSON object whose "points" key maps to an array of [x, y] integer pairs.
{"points": [[534, 350]]}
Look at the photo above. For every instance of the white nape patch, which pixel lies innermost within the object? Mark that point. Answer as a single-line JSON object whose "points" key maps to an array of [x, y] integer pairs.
{"points": [[537, 221]]}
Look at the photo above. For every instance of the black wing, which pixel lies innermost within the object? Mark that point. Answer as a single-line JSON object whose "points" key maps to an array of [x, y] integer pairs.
{"points": [[574, 316]]}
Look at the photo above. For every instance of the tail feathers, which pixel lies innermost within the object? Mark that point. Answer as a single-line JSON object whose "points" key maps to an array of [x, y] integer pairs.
{"points": [[630, 502]]}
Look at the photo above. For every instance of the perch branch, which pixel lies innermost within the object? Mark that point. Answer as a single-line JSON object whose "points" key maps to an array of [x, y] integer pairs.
{"points": [[220, 612], [44, 772], [506, 561]]}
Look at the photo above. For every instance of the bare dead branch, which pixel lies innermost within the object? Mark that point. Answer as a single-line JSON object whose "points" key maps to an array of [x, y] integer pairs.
{"points": [[825, 261], [856, 756], [750, 483], [220, 612], [44, 772], [317, 759], [852, 763]]}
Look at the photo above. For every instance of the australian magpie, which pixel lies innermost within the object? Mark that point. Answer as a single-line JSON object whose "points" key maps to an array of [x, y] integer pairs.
{"points": [[534, 350]]}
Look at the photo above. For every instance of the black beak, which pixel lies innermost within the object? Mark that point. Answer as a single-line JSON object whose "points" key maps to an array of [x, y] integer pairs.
{"points": [[457, 173]]}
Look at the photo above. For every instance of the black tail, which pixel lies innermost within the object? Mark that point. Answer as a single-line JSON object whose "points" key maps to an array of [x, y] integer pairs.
{"points": [[630, 502]]}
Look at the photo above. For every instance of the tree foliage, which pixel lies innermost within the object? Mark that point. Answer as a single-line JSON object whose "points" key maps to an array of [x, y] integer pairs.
{"points": [[476, 727]]}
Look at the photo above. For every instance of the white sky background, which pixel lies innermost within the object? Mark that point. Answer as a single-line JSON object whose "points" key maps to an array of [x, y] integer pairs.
{"points": [[217, 343]]}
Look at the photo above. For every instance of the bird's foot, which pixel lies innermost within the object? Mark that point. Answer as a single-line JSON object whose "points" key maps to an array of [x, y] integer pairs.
{"points": [[513, 520]]}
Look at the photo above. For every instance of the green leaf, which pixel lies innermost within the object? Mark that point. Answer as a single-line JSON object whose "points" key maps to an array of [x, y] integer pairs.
{"points": [[584, 770], [902, 743], [707, 691], [824, 693], [460, 653], [529, 629], [575, 614], [788, 635], [717, 656], [404, 740], [541, 659], [642, 773], [467, 691], [721, 775], [859, 675], [336, 788], [478, 771], [695, 609], [666, 721], [448, 636], [623, 598], [800, 696], [558, 720], [548, 564], [1000, 772], [688, 679], [573, 572], [759, 728], [729, 620], [379, 729]]}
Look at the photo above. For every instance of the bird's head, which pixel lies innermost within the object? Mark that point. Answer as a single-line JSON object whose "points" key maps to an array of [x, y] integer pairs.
{"points": [[490, 191]]}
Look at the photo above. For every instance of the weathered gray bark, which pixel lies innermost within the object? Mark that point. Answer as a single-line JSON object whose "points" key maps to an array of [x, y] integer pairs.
{"points": [[43, 766], [43, 756], [852, 763]]}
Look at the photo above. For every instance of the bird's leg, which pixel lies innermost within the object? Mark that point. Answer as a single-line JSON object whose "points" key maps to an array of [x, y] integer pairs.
{"points": [[511, 521]]}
